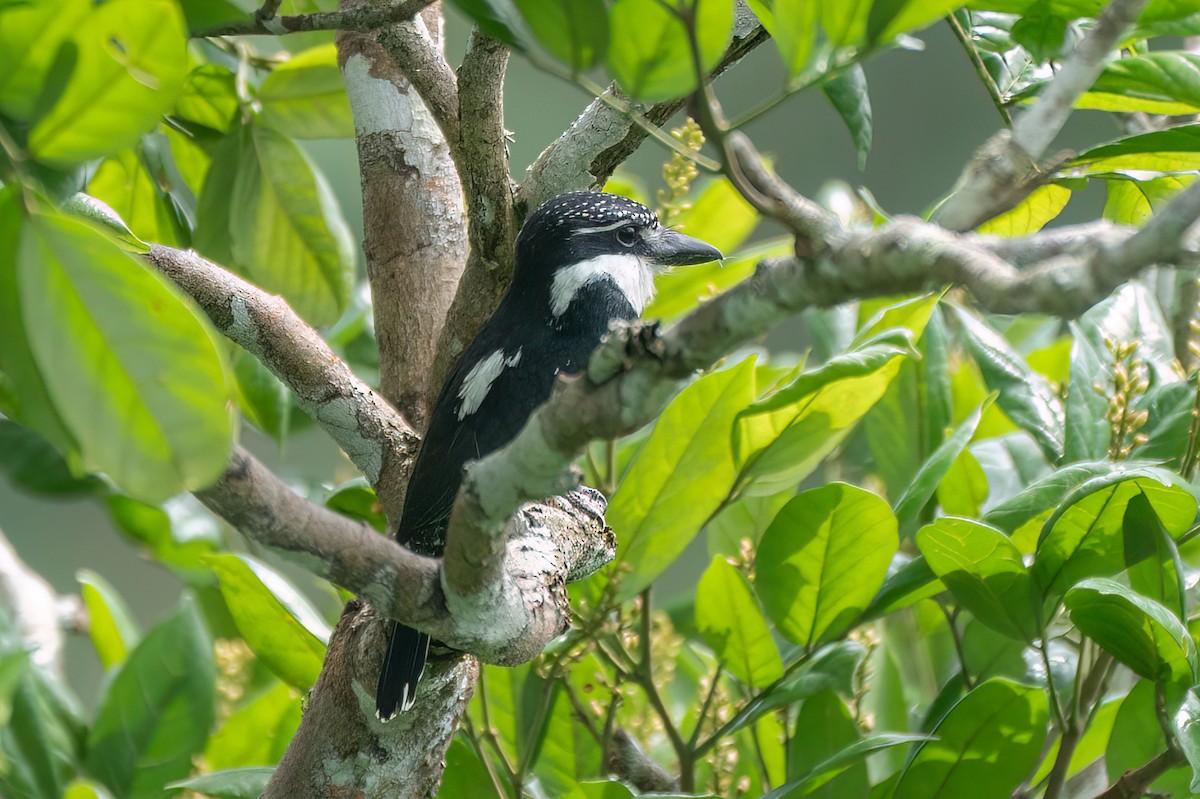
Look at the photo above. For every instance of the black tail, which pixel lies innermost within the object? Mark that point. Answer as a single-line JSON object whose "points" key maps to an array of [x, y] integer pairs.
{"points": [[402, 668]]}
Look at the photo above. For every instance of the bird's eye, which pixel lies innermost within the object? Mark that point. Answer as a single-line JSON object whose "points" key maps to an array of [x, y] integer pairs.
{"points": [[627, 236]]}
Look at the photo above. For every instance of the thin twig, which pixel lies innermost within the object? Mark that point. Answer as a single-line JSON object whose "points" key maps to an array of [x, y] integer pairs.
{"points": [[985, 77]]}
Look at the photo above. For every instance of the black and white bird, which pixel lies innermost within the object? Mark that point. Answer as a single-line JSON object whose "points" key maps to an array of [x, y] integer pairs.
{"points": [[583, 260]]}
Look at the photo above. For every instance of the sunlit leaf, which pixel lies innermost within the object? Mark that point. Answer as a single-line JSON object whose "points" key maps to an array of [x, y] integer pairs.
{"points": [[728, 615], [110, 624], [305, 97]]}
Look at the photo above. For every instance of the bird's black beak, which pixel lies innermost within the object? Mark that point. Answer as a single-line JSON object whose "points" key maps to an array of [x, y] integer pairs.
{"points": [[666, 247]]}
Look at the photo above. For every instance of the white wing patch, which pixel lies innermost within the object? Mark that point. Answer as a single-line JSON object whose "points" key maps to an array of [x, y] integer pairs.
{"points": [[633, 276], [478, 382]]}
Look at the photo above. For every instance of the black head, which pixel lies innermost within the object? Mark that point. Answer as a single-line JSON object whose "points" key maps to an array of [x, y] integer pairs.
{"points": [[574, 239]]}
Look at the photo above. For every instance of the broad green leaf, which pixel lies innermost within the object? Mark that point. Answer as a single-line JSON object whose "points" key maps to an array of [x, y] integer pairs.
{"points": [[305, 97], [824, 728], [257, 733], [130, 62], [1025, 396], [102, 215], [681, 290], [987, 653], [110, 624], [555, 764], [823, 559], [34, 63], [846, 22], [133, 369], [275, 619], [648, 48], [680, 477], [1172, 77], [909, 581], [984, 571], [41, 740], [1041, 34], [847, 92], [123, 183], [1041, 206], [466, 776], [1135, 630], [780, 439], [600, 789], [286, 231], [1172, 150], [209, 97], [1085, 536], [213, 237], [1087, 432], [1187, 733], [575, 33], [1155, 570], [717, 214], [1131, 201], [984, 747], [794, 29], [1047, 493], [178, 543], [841, 761], [909, 15], [32, 464], [237, 783], [728, 615], [1137, 736], [156, 713], [964, 489], [927, 479]]}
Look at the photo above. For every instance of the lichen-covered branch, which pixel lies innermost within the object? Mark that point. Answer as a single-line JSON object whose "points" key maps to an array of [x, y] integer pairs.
{"points": [[415, 234], [482, 159], [366, 18], [1009, 165], [371, 432]]}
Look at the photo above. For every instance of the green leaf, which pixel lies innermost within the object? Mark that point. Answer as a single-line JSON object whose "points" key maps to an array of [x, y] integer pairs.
{"points": [[33, 59], [41, 740], [275, 619], [236, 783], [1131, 201], [823, 729], [305, 97], [257, 733], [1047, 493], [846, 23], [180, 546], [1135, 630], [648, 48], [209, 97], [1131, 315], [123, 183], [1172, 150], [984, 747], [1137, 736], [134, 371], [925, 482], [838, 763], [909, 581], [745, 519], [134, 50], [1025, 396], [286, 231], [1088, 432], [984, 571], [466, 776], [86, 789], [1171, 77], [263, 398], [847, 92], [964, 489], [903, 16], [1155, 570], [823, 559], [1041, 34], [355, 498], [1041, 206], [110, 624], [794, 29], [680, 477], [575, 33], [1085, 536], [33, 464], [730, 619], [157, 712], [1187, 733]]}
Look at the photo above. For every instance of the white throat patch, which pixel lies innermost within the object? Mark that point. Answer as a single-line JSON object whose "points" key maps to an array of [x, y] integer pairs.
{"points": [[478, 382], [633, 276]]}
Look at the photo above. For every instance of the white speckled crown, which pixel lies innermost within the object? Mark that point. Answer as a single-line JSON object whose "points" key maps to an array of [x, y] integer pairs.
{"points": [[590, 208]]}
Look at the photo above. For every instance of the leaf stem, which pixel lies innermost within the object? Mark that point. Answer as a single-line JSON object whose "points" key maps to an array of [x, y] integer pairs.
{"points": [[985, 77]]}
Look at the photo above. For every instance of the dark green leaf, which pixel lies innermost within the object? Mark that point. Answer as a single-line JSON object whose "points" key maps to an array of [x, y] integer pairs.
{"points": [[1041, 34], [728, 615], [257, 733], [181, 547], [847, 91], [33, 464], [838, 763], [1135, 630], [1172, 150], [41, 742], [984, 571], [1137, 737], [1025, 396], [909, 581], [1187, 733], [158, 710], [1047, 493], [823, 559], [823, 728], [984, 747], [236, 783]]}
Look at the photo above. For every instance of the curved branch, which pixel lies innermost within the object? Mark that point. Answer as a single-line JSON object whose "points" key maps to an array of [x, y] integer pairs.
{"points": [[371, 432]]}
